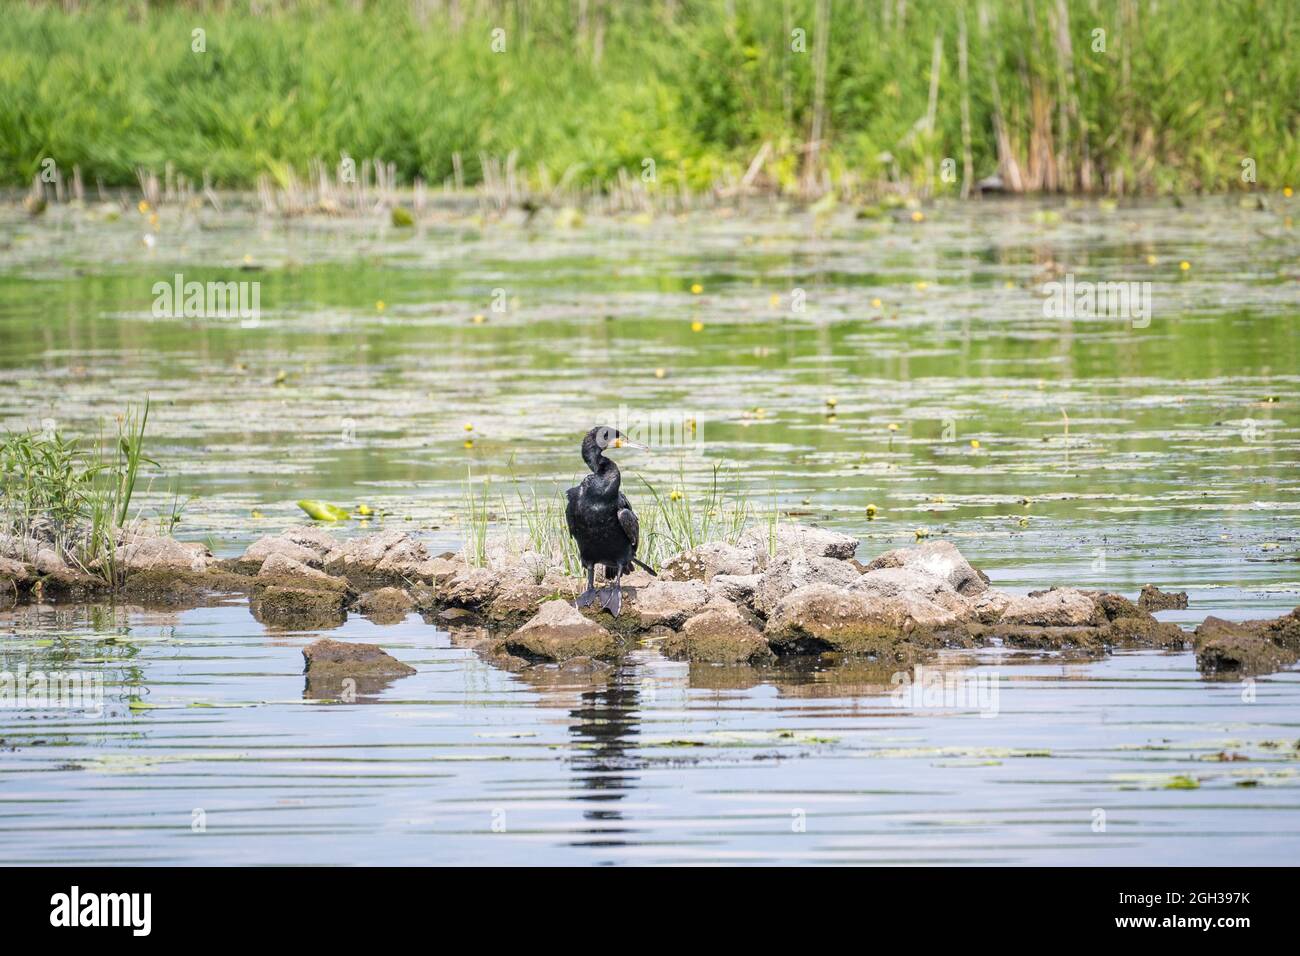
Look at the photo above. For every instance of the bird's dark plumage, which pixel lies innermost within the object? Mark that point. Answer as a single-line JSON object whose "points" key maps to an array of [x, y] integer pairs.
{"points": [[601, 519]]}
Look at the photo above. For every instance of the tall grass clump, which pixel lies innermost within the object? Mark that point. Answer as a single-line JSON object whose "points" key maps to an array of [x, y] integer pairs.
{"points": [[1115, 96], [525, 523], [679, 520], [478, 520], [74, 499]]}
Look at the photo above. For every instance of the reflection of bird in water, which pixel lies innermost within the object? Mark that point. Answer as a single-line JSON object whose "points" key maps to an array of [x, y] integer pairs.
{"points": [[602, 521], [607, 719]]}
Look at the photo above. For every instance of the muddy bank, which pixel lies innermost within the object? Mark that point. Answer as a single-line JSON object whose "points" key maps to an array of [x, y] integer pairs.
{"points": [[798, 594]]}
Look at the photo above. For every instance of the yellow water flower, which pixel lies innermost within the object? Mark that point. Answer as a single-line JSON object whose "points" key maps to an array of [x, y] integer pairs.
{"points": [[871, 512], [364, 509], [922, 286], [469, 426], [696, 288], [479, 319], [893, 426], [831, 402], [697, 326], [1287, 192], [774, 301], [975, 443], [380, 306], [918, 216], [660, 373], [876, 303], [1152, 260], [469, 443], [1184, 265], [143, 207], [675, 496]]}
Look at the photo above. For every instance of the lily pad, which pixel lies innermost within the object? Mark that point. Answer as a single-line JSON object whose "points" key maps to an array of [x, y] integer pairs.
{"points": [[321, 511]]}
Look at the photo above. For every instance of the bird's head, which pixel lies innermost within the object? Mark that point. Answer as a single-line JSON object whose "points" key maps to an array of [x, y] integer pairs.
{"points": [[604, 437]]}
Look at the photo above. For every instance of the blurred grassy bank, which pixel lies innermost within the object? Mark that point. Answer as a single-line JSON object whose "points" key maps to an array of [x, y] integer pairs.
{"points": [[1115, 96]]}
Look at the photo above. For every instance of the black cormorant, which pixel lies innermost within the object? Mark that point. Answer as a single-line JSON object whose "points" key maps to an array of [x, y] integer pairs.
{"points": [[601, 519]]}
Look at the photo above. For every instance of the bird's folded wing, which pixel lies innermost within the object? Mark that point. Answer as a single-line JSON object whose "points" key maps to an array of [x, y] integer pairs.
{"points": [[631, 526]]}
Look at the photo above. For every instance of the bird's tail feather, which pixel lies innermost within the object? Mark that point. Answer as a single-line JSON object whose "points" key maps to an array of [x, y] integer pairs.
{"points": [[639, 562]]}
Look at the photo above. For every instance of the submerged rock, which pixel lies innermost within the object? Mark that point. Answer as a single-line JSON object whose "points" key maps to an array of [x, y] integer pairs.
{"points": [[1124, 623], [347, 668], [173, 587], [1086, 640], [1247, 648], [1154, 599], [290, 594], [789, 572], [720, 634], [385, 605], [560, 632], [69, 584], [298, 608], [1090, 621]]}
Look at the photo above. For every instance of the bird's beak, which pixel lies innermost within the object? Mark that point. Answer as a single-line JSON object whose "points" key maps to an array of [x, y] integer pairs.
{"points": [[620, 442]]}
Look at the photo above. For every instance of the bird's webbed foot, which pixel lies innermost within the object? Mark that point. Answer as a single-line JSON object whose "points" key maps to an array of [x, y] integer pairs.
{"points": [[586, 597], [613, 602]]}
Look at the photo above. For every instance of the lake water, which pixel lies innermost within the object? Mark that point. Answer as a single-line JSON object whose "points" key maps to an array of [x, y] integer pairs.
{"points": [[1110, 451]]}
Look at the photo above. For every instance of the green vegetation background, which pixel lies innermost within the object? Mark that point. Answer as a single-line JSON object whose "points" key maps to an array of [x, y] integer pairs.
{"points": [[1181, 95]]}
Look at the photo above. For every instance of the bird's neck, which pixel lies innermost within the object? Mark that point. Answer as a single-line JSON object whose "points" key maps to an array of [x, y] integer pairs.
{"points": [[593, 456], [605, 472], [604, 475]]}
